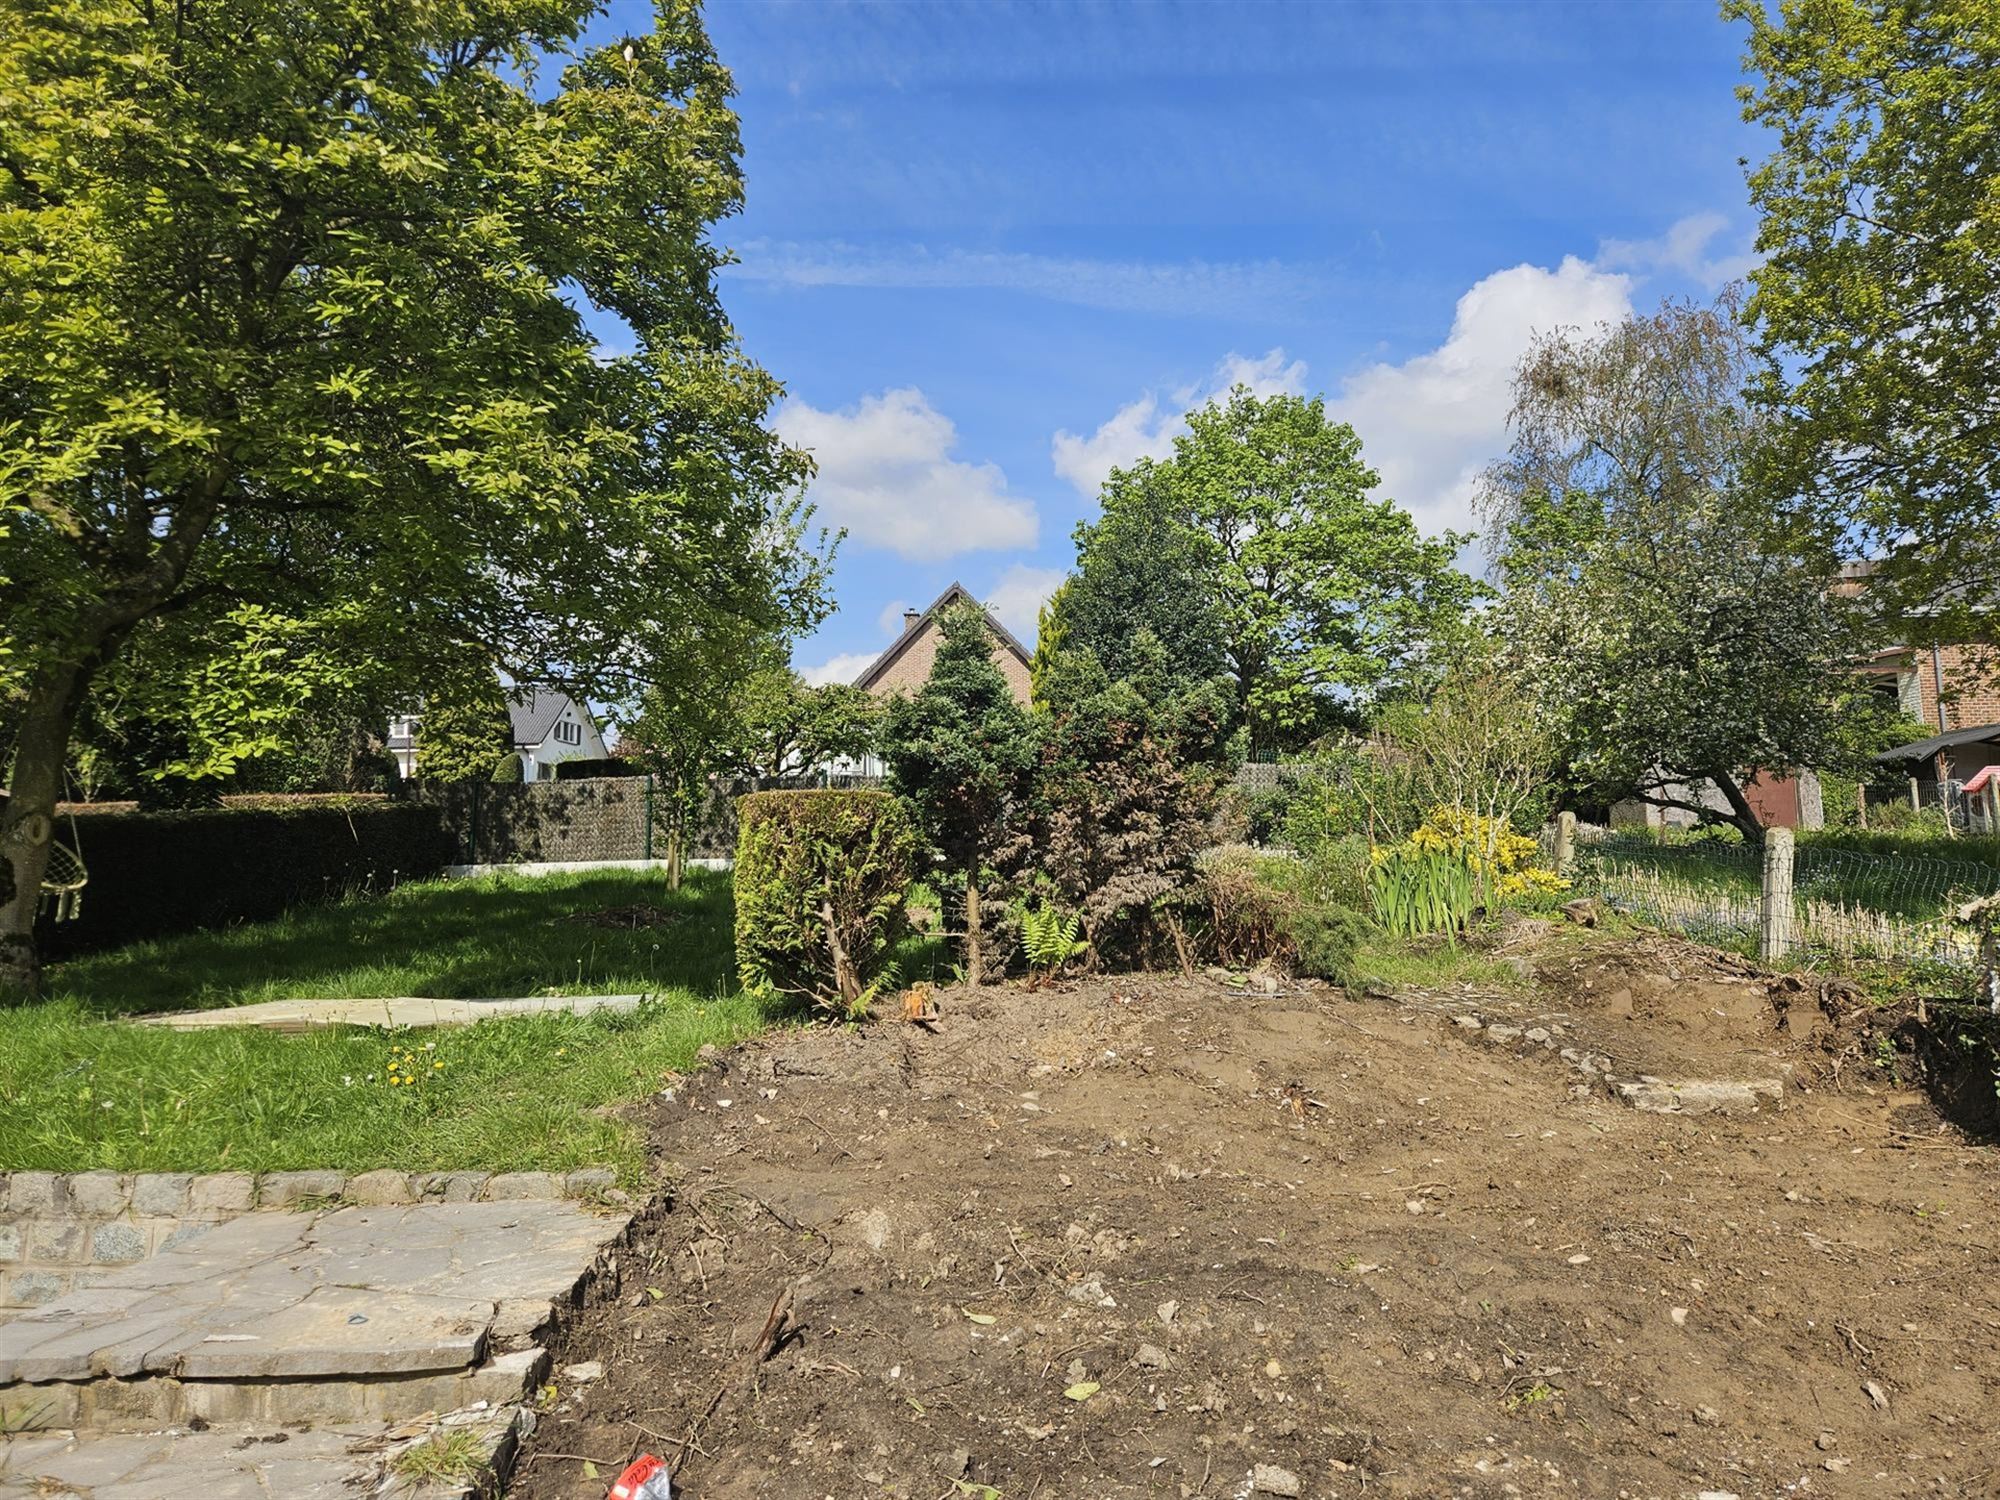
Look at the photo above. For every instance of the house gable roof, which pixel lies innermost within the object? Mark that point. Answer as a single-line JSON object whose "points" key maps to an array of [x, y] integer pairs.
{"points": [[534, 712], [956, 593]]}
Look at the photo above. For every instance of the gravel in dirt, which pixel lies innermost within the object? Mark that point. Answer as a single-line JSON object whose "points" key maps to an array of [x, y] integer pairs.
{"points": [[1145, 1237]]}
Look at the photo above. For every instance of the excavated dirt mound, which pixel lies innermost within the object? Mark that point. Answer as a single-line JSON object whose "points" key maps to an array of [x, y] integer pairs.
{"points": [[1147, 1237]]}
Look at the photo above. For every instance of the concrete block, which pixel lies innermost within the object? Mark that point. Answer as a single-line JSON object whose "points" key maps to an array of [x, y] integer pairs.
{"points": [[320, 1403], [285, 1189], [451, 1187], [379, 1188], [518, 1319], [117, 1244], [215, 1194], [506, 1186], [33, 1288], [507, 1377], [57, 1240], [39, 1408], [102, 1195], [217, 1401], [11, 1241], [36, 1193], [161, 1195], [589, 1181], [128, 1405]]}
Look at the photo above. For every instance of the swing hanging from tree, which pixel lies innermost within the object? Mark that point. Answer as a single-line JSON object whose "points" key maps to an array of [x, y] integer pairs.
{"points": [[66, 874]]}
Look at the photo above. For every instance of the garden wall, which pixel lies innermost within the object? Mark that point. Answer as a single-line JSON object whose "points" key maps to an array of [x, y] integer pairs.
{"points": [[153, 874], [63, 1230]]}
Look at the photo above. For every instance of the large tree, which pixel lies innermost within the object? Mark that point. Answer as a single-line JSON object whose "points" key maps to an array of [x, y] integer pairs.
{"points": [[1262, 523], [960, 754], [293, 369], [1878, 295], [1140, 569], [1676, 631]]}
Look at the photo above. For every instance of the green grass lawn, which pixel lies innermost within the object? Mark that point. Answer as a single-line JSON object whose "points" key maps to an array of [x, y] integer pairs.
{"points": [[78, 1091]]}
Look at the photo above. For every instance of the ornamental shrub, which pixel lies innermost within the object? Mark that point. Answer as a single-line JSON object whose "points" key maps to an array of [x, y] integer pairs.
{"points": [[820, 882], [1253, 908]]}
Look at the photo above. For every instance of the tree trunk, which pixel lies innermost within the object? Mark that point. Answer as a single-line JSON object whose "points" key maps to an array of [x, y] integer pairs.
{"points": [[1741, 814], [29, 824], [974, 966], [54, 700], [845, 980], [674, 857]]}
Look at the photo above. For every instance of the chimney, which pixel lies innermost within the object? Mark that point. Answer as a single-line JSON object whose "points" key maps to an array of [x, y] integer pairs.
{"points": [[910, 618]]}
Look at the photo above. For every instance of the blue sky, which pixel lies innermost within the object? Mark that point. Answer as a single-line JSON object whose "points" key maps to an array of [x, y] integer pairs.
{"points": [[992, 249]]}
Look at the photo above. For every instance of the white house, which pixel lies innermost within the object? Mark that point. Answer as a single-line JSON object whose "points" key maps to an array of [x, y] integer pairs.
{"points": [[549, 727]]}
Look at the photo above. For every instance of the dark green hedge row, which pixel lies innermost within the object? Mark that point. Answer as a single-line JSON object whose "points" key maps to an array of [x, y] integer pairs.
{"points": [[591, 770], [155, 874]]}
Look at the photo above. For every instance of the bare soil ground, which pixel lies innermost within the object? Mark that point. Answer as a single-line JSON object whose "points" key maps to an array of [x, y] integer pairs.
{"points": [[1146, 1236]]}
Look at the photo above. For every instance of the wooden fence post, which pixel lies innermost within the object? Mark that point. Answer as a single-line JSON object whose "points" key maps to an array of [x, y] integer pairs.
{"points": [[1775, 937], [1565, 842]]}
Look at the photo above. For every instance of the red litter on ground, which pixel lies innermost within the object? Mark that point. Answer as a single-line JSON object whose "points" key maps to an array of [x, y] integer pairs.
{"points": [[645, 1479]]}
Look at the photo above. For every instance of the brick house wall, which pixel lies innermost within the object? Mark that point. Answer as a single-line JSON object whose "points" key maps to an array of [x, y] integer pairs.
{"points": [[917, 653], [1971, 681]]}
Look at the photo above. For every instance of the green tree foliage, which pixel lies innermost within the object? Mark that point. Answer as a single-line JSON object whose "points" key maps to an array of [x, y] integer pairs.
{"points": [[1674, 629], [1140, 566], [464, 729], [690, 725], [1125, 791], [1477, 741], [791, 729], [1880, 239], [960, 754], [1257, 546], [292, 372]]}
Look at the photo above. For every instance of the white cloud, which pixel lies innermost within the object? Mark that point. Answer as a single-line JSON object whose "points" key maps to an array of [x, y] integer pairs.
{"points": [[1146, 428], [886, 474], [842, 668], [1430, 424], [1684, 248], [1017, 598], [890, 620], [1168, 288]]}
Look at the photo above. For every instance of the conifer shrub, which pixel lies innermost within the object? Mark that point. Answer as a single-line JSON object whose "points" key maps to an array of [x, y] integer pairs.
{"points": [[821, 878]]}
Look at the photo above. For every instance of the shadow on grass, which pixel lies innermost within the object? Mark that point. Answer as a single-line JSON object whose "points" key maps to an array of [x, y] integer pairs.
{"points": [[494, 937]]}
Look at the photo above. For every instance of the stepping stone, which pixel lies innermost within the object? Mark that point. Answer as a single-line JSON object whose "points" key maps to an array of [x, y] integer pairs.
{"points": [[342, 1297], [1702, 1096]]}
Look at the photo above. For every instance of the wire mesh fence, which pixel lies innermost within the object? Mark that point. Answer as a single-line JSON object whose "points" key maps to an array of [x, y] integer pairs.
{"points": [[1832, 903]]}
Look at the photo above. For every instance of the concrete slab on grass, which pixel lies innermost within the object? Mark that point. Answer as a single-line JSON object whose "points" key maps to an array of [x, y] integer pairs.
{"points": [[402, 1010]]}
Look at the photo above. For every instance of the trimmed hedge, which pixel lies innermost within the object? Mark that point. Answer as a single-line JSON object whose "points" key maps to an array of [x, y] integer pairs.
{"points": [[820, 880], [154, 874], [589, 769]]}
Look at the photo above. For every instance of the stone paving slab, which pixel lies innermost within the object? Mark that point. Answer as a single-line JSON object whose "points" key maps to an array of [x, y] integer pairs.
{"points": [[346, 1293], [401, 1010], [254, 1463]]}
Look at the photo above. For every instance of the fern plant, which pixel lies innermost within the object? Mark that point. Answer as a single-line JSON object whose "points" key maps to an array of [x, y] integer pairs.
{"points": [[1050, 939]]}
